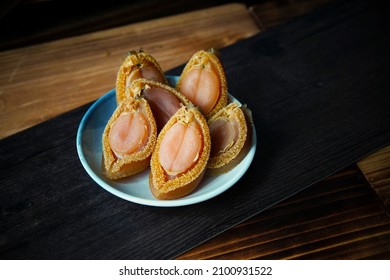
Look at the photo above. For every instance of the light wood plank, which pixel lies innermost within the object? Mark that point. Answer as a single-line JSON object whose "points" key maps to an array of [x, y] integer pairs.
{"points": [[376, 169], [42, 81]]}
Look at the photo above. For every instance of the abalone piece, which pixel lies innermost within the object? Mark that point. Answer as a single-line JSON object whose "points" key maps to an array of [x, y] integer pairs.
{"points": [[179, 160], [128, 139], [203, 82], [137, 65], [163, 99], [230, 131]]}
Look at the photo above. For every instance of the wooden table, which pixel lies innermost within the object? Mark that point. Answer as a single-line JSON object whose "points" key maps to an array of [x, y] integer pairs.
{"points": [[344, 216]]}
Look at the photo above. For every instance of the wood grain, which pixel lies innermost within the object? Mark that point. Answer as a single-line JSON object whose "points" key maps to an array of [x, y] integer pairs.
{"points": [[46, 213], [337, 218], [43, 81], [376, 168], [309, 225], [64, 19]]}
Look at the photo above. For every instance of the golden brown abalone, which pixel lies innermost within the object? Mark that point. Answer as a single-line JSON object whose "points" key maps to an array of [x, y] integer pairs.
{"points": [[179, 160], [137, 65], [230, 132], [203, 82], [163, 99], [129, 139]]}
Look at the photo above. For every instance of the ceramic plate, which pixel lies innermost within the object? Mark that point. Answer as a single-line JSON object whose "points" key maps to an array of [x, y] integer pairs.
{"points": [[136, 188]]}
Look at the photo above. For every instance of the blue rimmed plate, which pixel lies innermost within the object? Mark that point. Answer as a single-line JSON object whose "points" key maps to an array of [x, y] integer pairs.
{"points": [[136, 188]]}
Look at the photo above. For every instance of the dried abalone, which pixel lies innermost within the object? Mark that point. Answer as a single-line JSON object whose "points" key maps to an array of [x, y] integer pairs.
{"points": [[203, 82], [137, 65], [179, 160], [129, 139], [230, 131], [163, 99]]}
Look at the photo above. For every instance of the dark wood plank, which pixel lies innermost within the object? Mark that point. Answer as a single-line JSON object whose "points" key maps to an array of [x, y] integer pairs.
{"points": [[376, 167], [291, 74], [248, 240], [337, 218]]}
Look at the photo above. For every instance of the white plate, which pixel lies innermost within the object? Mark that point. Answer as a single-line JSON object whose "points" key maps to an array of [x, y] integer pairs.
{"points": [[136, 188]]}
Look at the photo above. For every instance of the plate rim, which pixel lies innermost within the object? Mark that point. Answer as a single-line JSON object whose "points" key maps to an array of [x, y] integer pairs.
{"points": [[184, 201]]}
